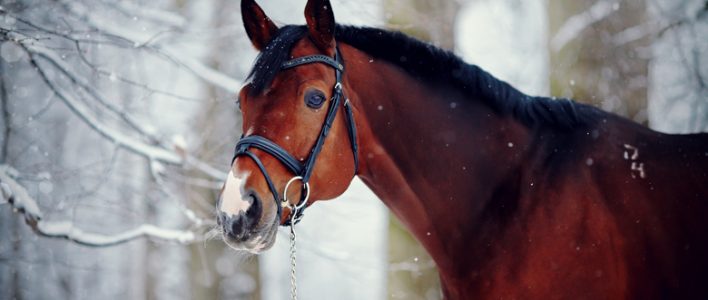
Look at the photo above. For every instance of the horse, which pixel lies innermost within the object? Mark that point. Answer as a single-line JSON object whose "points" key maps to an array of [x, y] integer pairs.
{"points": [[513, 196]]}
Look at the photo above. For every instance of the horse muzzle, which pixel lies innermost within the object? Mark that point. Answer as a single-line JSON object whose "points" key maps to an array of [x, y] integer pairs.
{"points": [[239, 215]]}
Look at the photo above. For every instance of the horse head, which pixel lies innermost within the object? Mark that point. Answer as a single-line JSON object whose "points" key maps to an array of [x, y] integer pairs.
{"points": [[298, 129]]}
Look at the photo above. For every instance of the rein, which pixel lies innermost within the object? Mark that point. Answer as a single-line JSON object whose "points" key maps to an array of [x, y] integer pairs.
{"points": [[302, 172]]}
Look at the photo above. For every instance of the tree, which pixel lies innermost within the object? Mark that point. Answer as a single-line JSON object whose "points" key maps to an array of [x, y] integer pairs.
{"points": [[678, 73], [96, 98]]}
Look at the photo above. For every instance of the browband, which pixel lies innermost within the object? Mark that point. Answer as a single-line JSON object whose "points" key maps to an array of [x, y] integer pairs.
{"points": [[312, 59]]}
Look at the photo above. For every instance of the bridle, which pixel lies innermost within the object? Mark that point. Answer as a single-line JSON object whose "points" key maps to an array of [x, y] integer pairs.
{"points": [[302, 172]]}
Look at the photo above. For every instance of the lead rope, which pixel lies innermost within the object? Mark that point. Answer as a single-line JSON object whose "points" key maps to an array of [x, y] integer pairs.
{"points": [[295, 214], [293, 262]]}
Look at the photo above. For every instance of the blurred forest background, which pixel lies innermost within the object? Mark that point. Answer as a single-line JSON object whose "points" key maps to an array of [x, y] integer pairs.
{"points": [[118, 120]]}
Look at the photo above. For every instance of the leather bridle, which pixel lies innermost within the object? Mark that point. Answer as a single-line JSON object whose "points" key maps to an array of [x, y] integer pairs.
{"points": [[302, 172]]}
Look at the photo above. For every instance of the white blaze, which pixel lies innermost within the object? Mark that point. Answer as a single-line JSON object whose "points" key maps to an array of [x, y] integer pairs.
{"points": [[232, 201]]}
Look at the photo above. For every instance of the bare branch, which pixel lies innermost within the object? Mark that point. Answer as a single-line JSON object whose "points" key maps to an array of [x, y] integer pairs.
{"points": [[142, 40], [635, 33], [5, 115], [12, 192], [78, 41], [135, 146], [572, 27], [190, 214], [67, 230], [131, 9], [113, 76], [17, 196], [54, 59], [176, 156]]}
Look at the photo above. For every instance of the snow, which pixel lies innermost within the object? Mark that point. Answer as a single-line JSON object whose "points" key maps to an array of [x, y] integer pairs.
{"points": [[10, 52], [162, 16], [5, 193], [90, 197], [143, 39], [17, 196], [178, 156], [67, 230], [678, 71]]}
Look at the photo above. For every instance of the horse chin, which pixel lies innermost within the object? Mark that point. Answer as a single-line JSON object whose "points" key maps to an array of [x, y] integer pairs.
{"points": [[262, 240]]}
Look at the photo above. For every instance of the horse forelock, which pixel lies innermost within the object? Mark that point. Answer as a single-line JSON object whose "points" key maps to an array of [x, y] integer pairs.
{"points": [[273, 56]]}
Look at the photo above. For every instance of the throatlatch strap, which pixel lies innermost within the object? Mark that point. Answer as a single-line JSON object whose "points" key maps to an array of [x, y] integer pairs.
{"points": [[329, 119], [351, 129]]}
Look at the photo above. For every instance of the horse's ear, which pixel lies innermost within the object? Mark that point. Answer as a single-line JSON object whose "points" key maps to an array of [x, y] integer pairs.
{"points": [[259, 27], [320, 23]]}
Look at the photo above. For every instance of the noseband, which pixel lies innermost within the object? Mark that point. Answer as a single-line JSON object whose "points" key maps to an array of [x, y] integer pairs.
{"points": [[302, 172]]}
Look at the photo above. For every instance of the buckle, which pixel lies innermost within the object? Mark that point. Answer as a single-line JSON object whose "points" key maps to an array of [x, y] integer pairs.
{"points": [[294, 208]]}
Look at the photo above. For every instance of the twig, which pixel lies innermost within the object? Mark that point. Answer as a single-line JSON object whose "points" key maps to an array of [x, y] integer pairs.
{"points": [[5, 115], [13, 193], [140, 40], [67, 230], [177, 156], [574, 25], [135, 146], [130, 9], [53, 59]]}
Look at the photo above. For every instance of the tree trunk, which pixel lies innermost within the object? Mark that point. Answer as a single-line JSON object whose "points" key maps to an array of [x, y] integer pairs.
{"points": [[678, 73], [597, 56]]}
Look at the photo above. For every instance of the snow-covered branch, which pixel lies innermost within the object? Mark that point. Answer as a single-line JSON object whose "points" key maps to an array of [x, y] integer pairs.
{"points": [[175, 156], [140, 11], [67, 230], [145, 40], [54, 59], [17, 196], [129, 143], [575, 25]]}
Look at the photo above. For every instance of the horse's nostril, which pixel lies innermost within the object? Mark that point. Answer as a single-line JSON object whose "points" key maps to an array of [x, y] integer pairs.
{"points": [[237, 229], [254, 211], [234, 226], [240, 226]]}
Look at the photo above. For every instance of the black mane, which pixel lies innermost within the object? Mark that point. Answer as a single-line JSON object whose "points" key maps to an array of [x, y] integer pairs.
{"points": [[431, 64]]}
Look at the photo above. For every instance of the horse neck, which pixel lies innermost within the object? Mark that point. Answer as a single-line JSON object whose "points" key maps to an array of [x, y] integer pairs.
{"points": [[435, 158]]}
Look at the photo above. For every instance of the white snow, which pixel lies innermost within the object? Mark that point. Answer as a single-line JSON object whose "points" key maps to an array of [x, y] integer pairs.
{"points": [[65, 229], [143, 39], [14, 193], [17, 195], [10, 52], [679, 67]]}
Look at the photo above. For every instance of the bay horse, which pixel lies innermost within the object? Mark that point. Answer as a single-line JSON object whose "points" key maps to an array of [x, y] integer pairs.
{"points": [[514, 196]]}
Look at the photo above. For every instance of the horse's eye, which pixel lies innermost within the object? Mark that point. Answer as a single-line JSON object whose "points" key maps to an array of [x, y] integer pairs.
{"points": [[314, 99]]}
